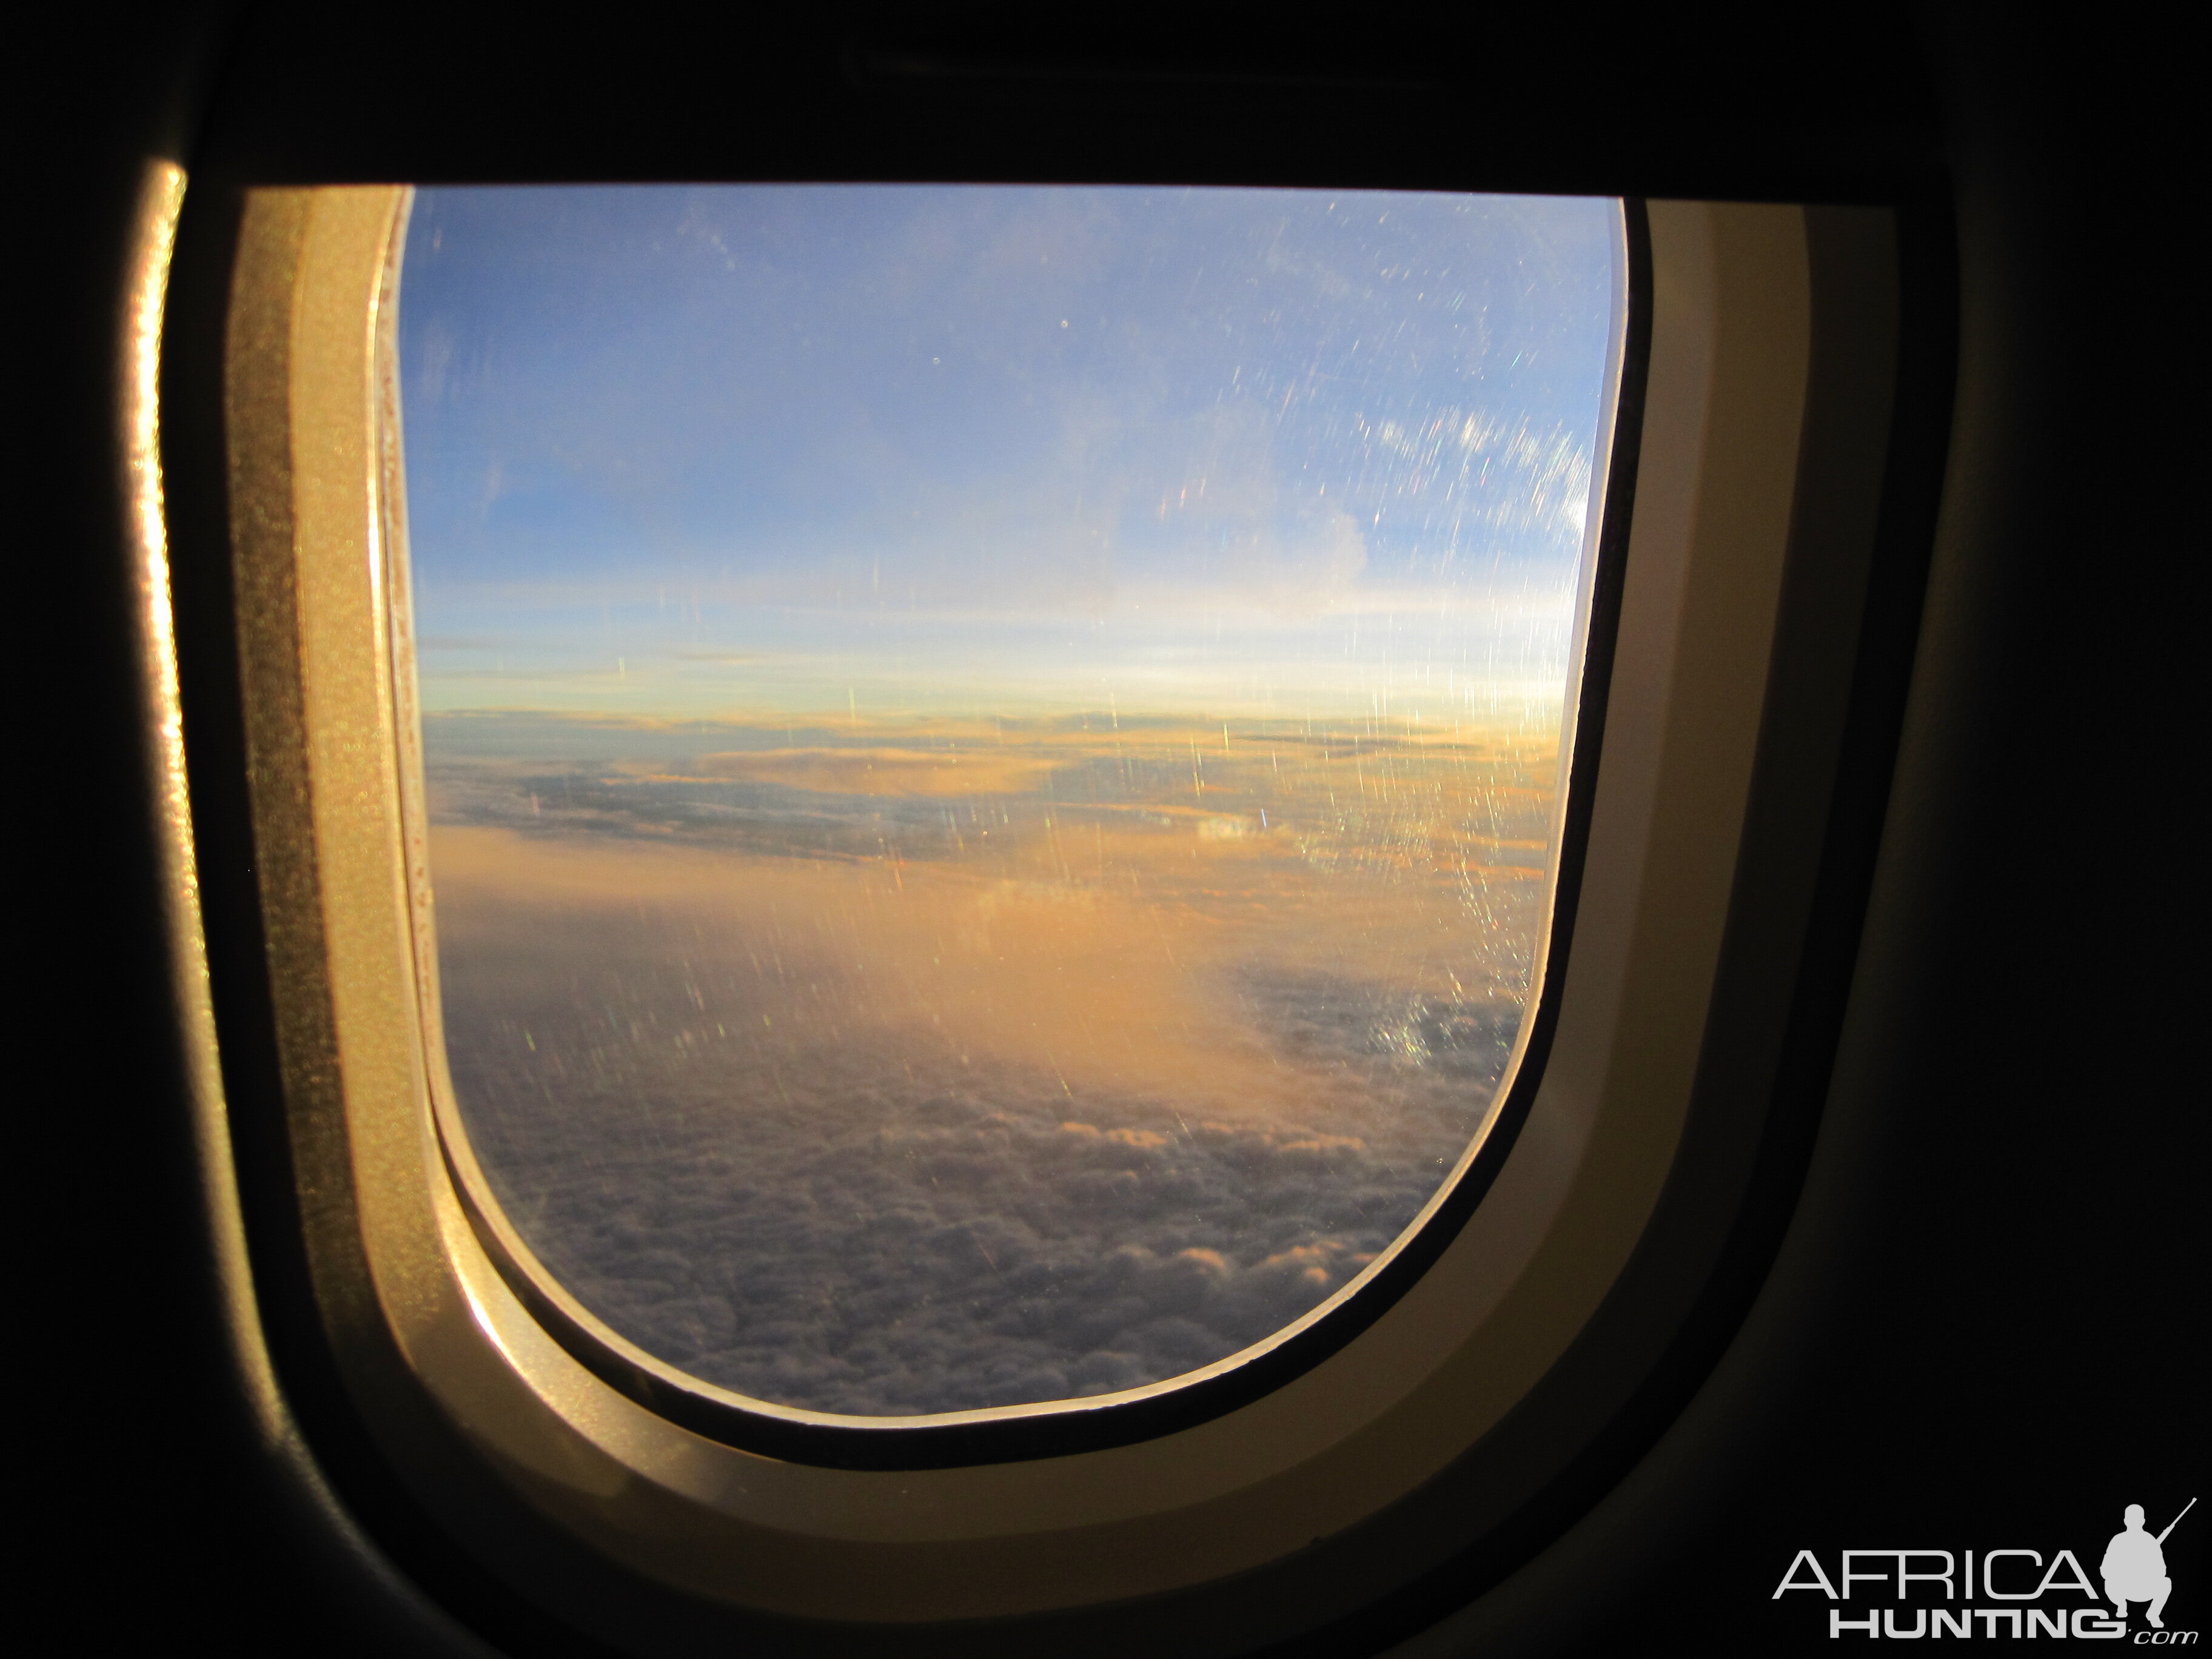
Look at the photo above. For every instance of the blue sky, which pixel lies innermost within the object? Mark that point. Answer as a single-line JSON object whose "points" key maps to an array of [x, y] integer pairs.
{"points": [[745, 450]]}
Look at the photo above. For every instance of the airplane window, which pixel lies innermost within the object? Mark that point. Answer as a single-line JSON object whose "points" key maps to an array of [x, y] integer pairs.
{"points": [[994, 756]]}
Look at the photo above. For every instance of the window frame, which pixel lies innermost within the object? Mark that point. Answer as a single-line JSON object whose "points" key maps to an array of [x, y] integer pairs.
{"points": [[1060, 1427], [431, 1365]]}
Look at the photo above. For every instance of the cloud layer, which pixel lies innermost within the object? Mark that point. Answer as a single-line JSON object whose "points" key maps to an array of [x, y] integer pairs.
{"points": [[842, 1229], [852, 1095]]}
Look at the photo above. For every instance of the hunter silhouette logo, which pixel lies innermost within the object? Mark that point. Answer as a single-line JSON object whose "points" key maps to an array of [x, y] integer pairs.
{"points": [[2023, 1593], [2135, 1565]]}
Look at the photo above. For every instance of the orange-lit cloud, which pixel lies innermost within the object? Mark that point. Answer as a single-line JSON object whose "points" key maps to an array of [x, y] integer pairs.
{"points": [[1107, 958], [885, 771]]}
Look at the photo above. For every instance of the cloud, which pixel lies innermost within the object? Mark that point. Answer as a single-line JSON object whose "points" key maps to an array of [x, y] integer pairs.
{"points": [[974, 1143], [851, 1232], [885, 771], [847, 1090]]}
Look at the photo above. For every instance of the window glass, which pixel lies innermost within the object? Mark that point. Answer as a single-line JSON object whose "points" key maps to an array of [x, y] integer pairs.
{"points": [[993, 754]]}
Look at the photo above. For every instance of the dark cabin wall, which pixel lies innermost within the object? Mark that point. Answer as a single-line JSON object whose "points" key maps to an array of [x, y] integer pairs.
{"points": [[1976, 1331]]}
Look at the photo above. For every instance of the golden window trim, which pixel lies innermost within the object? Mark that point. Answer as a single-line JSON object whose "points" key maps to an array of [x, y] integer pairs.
{"points": [[437, 1351]]}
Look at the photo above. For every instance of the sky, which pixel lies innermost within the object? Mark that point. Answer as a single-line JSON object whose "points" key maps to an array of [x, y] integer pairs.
{"points": [[715, 451]]}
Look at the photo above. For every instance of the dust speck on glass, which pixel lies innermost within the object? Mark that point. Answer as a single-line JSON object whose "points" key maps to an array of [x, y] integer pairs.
{"points": [[993, 754]]}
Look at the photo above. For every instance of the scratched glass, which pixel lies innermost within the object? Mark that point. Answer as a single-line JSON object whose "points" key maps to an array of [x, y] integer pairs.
{"points": [[994, 755]]}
